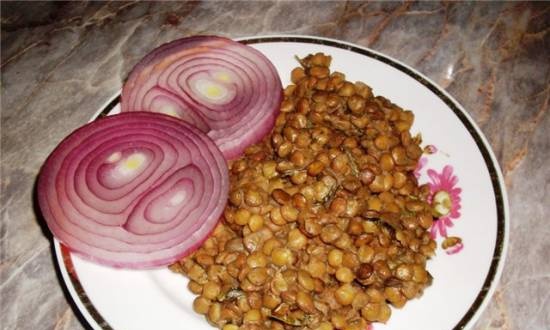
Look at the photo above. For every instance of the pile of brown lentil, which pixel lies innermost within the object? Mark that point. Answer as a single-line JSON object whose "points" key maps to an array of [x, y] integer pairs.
{"points": [[326, 225]]}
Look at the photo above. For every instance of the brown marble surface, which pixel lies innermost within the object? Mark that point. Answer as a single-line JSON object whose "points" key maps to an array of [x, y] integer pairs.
{"points": [[61, 61]]}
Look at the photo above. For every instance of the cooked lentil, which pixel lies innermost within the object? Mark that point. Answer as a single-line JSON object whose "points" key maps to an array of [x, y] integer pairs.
{"points": [[326, 225], [451, 241]]}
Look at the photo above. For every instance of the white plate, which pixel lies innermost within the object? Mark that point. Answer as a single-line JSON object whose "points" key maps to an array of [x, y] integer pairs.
{"points": [[463, 282]]}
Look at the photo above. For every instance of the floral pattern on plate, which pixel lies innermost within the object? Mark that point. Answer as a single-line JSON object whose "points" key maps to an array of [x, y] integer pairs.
{"points": [[445, 200]]}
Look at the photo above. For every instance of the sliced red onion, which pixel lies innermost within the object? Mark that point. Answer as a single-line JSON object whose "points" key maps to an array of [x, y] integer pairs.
{"points": [[229, 90], [134, 190]]}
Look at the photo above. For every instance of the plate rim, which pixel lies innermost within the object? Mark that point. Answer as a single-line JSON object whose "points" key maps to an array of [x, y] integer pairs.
{"points": [[471, 316]]}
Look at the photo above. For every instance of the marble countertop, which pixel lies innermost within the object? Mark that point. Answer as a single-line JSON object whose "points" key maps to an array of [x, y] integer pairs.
{"points": [[61, 61]]}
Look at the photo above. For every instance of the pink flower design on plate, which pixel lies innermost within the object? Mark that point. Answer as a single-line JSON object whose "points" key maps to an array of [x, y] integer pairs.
{"points": [[455, 249], [445, 200], [430, 149], [419, 166], [423, 161]]}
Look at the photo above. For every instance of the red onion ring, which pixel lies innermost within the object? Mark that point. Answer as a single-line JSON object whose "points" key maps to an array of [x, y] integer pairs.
{"points": [[229, 90], [135, 190]]}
